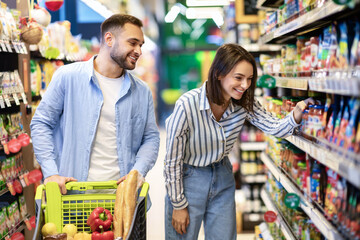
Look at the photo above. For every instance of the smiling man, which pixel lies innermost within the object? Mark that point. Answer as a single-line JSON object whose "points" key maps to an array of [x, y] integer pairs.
{"points": [[96, 121]]}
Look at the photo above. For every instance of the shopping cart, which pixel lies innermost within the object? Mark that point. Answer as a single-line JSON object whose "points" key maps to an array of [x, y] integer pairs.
{"points": [[52, 206]]}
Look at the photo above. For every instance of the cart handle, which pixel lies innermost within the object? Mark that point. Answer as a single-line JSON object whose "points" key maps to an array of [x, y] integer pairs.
{"points": [[83, 186], [39, 192]]}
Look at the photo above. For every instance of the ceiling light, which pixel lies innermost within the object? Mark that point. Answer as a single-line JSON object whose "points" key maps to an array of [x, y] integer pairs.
{"points": [[203, 12], [172, 14], [204, 3], [98, 7]]}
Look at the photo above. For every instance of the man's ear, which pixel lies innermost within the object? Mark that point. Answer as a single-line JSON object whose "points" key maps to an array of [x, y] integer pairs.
{"points": [[109, 39]]}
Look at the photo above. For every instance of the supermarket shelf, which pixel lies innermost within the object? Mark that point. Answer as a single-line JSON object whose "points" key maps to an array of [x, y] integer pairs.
{"points": [[281, 222], [350, 87], [346, 163], [258, 178], [269, 3], [253, 146], [19, 227], [5, 190], [262, 48], [310, 19], [313, 213]]}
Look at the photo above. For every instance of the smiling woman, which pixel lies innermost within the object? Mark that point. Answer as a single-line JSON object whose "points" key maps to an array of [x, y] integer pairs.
{"points": [[201, 132]]}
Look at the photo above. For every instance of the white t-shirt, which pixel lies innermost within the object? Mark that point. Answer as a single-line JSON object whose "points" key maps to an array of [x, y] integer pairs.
{"points": [[104, 164]]}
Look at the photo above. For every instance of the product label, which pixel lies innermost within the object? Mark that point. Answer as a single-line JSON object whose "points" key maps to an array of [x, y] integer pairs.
{"points": [[270, 216], [292, 200]]}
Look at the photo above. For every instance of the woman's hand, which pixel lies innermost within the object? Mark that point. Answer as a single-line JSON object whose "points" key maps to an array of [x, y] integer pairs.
{"points": [[300, 107], [60, 180], [180, 220]]}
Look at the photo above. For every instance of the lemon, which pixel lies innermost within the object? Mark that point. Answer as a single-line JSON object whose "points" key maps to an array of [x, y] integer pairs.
{"points": [[70, 230], [49, 229]]}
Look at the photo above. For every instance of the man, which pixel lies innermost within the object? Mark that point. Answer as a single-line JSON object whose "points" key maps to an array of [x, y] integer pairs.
{"points": [[96, 121]]}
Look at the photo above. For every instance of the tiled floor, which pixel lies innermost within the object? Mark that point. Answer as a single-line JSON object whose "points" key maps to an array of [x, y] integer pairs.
{"points": [[155, 216]]}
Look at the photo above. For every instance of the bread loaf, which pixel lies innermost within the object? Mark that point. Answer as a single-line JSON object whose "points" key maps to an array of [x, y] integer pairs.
{"points": [[118, 211], [125, 203], [130, 200]]}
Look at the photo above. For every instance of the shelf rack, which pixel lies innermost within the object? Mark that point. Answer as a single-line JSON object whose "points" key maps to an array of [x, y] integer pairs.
{"points": [[320, 221], [314, 18], [346, 163], [347, 87], [253, 146], [281, 221]]}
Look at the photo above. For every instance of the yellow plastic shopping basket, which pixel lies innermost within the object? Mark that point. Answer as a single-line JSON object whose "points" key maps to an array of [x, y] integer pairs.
{"points": [[52, 206]]}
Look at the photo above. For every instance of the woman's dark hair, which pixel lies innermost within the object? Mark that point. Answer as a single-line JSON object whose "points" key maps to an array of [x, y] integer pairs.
{"points": [[117, 21], [227, 56]]}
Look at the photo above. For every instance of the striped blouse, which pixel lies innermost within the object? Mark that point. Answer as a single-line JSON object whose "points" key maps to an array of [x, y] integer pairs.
{"points": [[195, 137]]}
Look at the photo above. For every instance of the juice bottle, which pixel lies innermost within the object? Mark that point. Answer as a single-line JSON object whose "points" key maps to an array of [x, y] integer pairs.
{"points": [[317, 119]]}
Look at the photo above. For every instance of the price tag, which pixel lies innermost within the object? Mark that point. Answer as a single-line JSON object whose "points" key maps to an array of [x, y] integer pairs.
{"points": [[2, 103], [16, 99], [15, 45], [7, 101], [23, 96], [9, 47], [292, 200], [2, 44], [270, 216], [354, 175]]}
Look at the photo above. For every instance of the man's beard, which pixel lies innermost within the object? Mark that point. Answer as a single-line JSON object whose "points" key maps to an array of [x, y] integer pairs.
{"points": [[122, 61]]}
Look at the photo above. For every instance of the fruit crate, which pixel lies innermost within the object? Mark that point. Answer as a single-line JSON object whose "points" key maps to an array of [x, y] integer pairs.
{"points": [[75, 207]]}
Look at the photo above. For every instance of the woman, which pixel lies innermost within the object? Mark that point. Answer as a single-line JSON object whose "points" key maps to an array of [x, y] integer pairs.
{"points": [[200, 134]]}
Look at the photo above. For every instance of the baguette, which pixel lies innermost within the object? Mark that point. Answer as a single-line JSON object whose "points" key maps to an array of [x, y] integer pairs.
{"points": [[129, 200], [118, 211]]}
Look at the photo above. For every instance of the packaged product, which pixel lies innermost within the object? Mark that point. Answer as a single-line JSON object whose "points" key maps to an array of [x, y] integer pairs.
{"points": [[357, 139], [331, 192], [355, 47], [350, 131], [329, 48], [315, 182], [343, 105], [343, 55], [343, 124]]}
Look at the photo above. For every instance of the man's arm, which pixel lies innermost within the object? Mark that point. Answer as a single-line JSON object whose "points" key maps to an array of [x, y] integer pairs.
{"points": [[46, 118], [148, 151]]}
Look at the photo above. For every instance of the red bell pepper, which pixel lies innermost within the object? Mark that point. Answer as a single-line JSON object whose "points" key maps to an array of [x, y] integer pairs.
{"points": [[100, 219], [109, 235]]}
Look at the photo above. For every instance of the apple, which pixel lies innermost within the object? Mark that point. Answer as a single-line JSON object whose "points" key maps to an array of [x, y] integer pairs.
{"points": [[70, 230], [48, 229]]}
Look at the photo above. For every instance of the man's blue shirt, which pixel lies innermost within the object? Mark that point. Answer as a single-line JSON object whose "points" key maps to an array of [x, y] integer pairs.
{"points": [[64, 125]]}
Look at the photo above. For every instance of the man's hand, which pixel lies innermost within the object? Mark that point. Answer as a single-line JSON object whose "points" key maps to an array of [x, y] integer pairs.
{"points": [[140, 179], [180, 220], [121, 179], [60, 180]]}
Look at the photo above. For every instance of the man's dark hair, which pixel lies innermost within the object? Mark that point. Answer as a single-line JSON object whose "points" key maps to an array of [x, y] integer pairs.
{"points": [[117, 21]]}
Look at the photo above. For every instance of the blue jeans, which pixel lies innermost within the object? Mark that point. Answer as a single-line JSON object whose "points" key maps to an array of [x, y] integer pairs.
{"points": [[210, 192]]}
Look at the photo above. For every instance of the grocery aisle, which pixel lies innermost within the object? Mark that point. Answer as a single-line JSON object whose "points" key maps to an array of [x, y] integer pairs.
{"points": [[155, 217]]}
